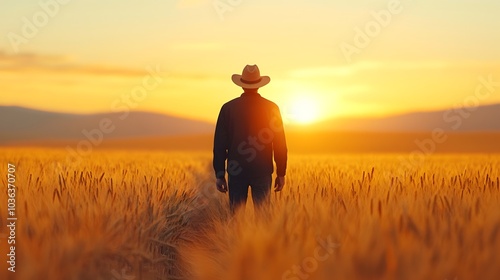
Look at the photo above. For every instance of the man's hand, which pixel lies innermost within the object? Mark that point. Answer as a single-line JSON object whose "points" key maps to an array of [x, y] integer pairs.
{"points": [[279, 183], [221, 185]]}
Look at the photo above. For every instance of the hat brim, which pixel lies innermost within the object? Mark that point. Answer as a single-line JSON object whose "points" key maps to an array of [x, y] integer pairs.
{"points": [[237, 80]]}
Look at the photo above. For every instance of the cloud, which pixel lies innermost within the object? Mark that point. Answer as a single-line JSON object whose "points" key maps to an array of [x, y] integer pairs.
{"points": [[21, 63], [38, 65]]}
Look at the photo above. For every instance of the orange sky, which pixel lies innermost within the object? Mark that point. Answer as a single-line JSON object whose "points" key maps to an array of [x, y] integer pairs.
{"points": [[88, 56]]}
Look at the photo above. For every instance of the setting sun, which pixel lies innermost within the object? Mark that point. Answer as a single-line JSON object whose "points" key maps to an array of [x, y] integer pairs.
{"points": [[302, 110]]}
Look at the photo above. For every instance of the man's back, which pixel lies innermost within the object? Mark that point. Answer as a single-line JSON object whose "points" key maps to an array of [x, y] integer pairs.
{"points": [[249, 127]]}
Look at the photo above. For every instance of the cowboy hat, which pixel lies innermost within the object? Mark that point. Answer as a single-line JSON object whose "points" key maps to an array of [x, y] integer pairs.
{"points": [[251, 78]]}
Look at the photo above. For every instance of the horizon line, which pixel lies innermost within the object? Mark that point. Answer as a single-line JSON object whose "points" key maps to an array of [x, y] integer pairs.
{"points": [[372, 117]]}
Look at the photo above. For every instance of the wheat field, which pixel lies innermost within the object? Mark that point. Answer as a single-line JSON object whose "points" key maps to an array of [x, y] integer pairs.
{"points": [[156, 215]]}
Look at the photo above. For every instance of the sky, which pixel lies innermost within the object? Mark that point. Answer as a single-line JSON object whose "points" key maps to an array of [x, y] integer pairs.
{"points": [[326, 59]]}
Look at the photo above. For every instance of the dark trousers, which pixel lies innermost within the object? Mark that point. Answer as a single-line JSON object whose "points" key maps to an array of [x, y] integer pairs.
{"points": [[238, 190]]}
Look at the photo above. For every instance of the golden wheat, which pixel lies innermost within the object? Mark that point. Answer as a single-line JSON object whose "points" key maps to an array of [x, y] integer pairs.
{"points": [[156, 216]]}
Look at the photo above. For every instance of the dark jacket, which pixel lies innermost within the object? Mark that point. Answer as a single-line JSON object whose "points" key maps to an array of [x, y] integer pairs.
{"points": [[249, 129]]}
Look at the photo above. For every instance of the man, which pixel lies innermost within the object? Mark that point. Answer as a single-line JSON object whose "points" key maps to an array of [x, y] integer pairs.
{"points": [[249, 131]]}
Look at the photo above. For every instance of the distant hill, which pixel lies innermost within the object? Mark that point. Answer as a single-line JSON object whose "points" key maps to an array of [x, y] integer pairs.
{"points": [[26, 125], [23, 124], [482, 118]]}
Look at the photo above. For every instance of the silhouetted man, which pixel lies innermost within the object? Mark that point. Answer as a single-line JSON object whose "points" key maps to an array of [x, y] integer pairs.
{"points": [[249, 131]]}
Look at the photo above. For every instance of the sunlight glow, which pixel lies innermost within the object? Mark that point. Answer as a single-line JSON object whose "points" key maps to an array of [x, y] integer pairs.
{"points": [[302, 110]]}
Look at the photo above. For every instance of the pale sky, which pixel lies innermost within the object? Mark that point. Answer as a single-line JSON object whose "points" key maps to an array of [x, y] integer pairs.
{"points": [[84, 55]]}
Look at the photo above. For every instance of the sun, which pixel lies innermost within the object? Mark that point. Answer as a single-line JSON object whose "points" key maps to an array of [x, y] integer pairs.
{"points": [[302, 110]]}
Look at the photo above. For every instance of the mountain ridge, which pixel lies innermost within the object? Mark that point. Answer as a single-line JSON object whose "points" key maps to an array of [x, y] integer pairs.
{"points": [[468, 119], [21, 123], [26, 124]]}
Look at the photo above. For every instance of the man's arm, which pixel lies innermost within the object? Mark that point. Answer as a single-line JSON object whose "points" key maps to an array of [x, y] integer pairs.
{"points": [[279, 145], [220, 145]]}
